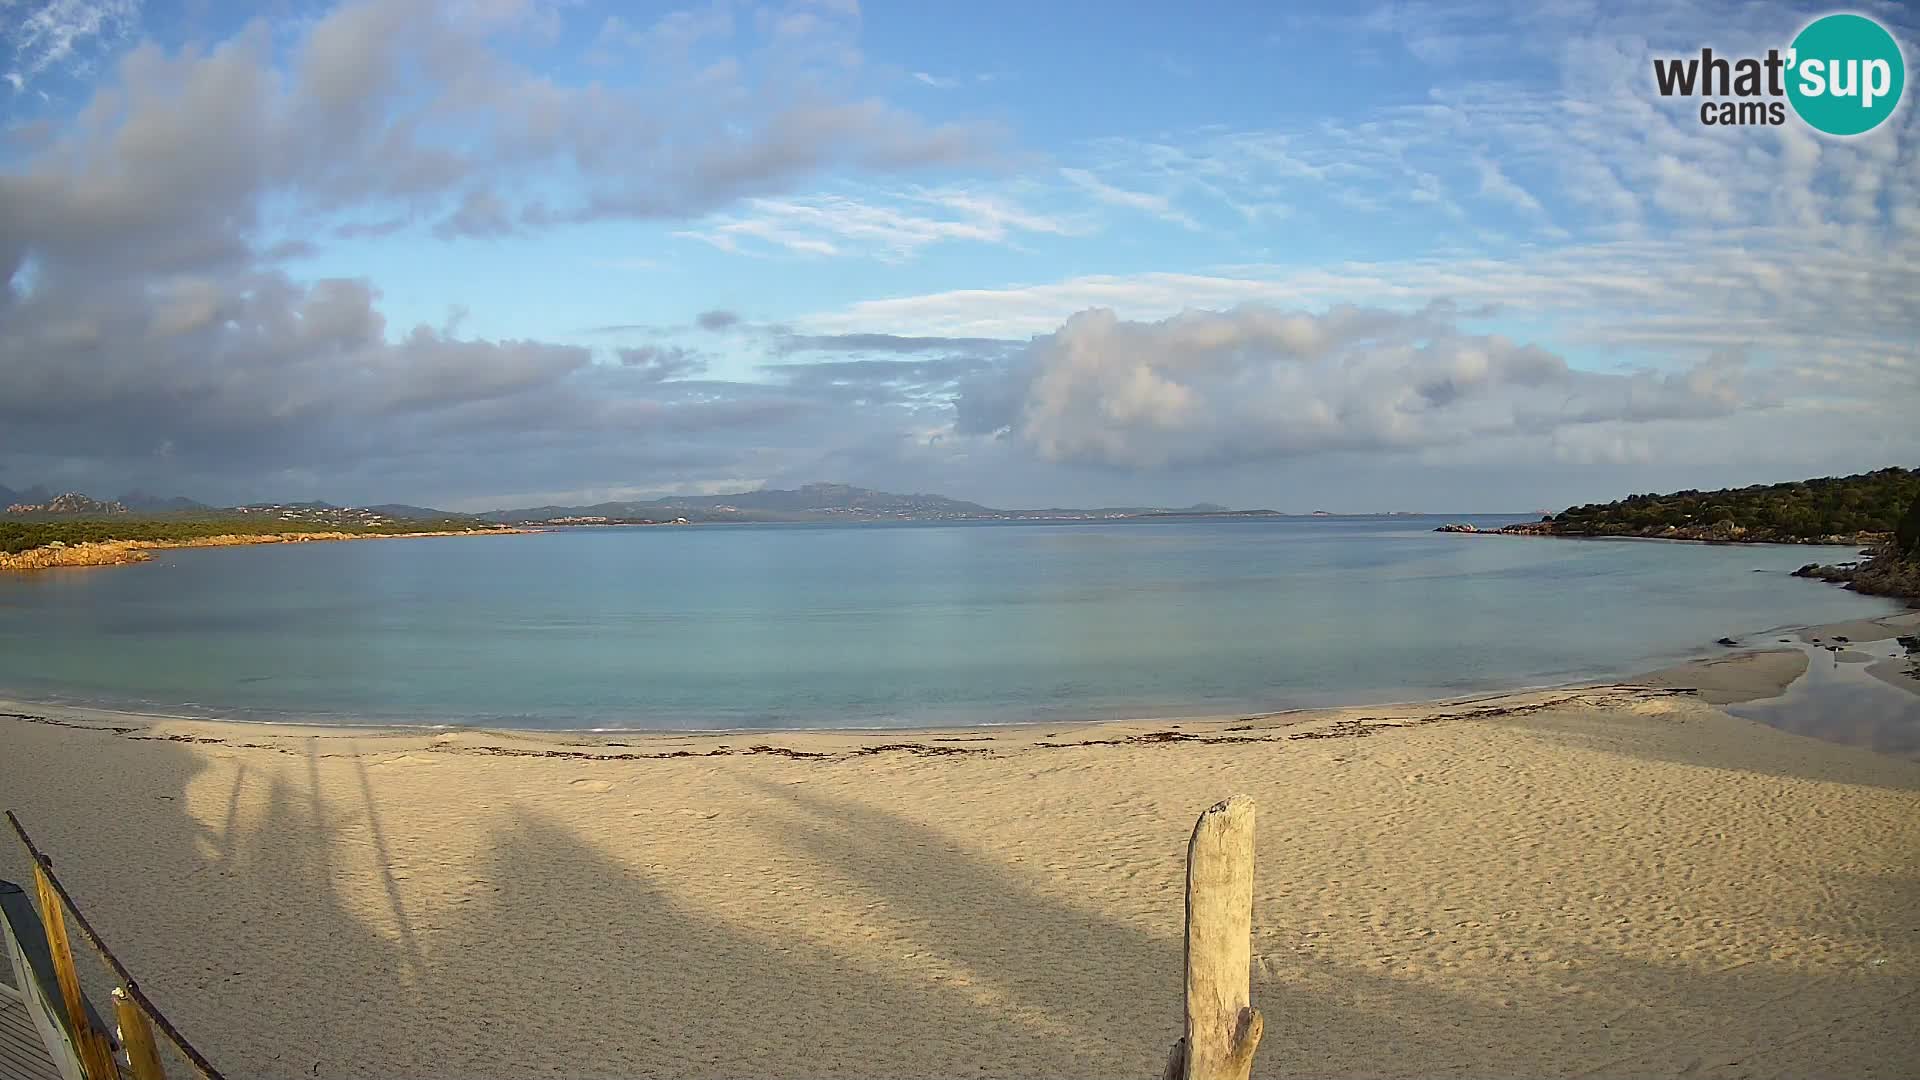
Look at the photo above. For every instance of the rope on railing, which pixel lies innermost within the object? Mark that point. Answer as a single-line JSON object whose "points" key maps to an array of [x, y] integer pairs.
{"points": [[134, 994]]}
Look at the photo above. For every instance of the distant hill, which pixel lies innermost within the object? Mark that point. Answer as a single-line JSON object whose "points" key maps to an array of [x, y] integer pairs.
{"points": [[808, 503], [68, 504], [821, 502], [404, 512], [314, 504], [1859, 509], [813, 502], [35, 503], [140, 502], [73, 502]]}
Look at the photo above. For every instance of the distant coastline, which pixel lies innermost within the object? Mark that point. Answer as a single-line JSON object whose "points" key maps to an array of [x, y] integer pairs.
{"points": [[1670, 534], [59, 554]]}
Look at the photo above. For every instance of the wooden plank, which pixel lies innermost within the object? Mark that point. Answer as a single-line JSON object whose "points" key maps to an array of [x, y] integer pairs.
{"points": [[14, 1017], [18, 1045], [23, 1056], [26, 1054], [96, 1053], [143, 1058], [27, 1067], [32, 964], [1222, 1027], [15, 1024]]}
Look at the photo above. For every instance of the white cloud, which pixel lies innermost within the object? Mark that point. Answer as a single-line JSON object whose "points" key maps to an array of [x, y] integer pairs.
{"points": [[1157, 205], [64, 35], [1496, 185], [833, 225], [1258, 383]]}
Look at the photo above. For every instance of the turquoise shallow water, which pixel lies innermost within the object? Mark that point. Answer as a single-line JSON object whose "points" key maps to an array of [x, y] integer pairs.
{"points": [[815, 626]]}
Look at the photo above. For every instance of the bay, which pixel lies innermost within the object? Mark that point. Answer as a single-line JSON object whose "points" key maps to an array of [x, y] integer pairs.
{"points": [[884, 625]]}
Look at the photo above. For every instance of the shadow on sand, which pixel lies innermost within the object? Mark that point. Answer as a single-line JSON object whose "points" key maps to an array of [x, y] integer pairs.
{"points": [[558, 960]]}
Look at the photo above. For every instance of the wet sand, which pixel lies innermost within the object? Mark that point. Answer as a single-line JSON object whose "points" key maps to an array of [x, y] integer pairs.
{"points": [[1619, 880]]}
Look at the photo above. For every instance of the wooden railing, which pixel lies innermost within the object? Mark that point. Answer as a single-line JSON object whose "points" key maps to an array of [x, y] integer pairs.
{"points": [[137, 1017], [1221, 1032]]}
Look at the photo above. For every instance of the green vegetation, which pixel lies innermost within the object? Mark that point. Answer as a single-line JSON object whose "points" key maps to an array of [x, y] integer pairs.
{"points": [[1845, 508], [1893, 570], [18, 536], [1906, 539]]}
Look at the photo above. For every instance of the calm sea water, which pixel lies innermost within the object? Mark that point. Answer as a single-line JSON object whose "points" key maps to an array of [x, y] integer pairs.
{"points": [[802, 626]]}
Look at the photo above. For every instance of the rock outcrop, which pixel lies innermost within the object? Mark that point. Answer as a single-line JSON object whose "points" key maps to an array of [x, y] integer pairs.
{"points": [[1885, 574]]}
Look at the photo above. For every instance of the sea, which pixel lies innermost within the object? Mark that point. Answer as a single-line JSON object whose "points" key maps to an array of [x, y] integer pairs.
{"points": [[885, 625]]}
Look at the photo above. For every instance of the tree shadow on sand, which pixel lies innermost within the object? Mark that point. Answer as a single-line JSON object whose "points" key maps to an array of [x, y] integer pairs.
{"points": [[560, 960]]}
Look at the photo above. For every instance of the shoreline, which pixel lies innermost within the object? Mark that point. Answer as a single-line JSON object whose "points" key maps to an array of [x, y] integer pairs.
{"points": [[128, 552], [1615, 879], [1867, 539], [1741, 674]]}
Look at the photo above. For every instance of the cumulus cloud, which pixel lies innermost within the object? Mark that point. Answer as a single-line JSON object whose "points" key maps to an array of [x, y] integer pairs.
{"points": [[1713, 289], [149, 329], [195, 152], [1258, 383]]}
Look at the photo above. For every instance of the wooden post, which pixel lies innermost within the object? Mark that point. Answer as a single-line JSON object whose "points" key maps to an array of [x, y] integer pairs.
{"points": [[1223, 1028], [143, 1057], [96, 1052]]}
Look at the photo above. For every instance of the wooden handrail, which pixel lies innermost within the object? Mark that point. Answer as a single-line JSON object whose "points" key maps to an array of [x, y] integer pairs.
{"points": [[54, 899], [94, 1048]]}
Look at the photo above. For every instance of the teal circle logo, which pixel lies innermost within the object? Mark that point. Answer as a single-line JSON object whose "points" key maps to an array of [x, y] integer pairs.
{"points": [[1846, 74]]}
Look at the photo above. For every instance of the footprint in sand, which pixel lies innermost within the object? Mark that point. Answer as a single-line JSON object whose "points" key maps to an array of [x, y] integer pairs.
{"points": [[595, 786]]}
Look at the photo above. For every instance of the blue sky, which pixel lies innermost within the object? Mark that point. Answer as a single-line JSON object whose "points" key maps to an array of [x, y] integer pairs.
{"points": [[1379, 255]]}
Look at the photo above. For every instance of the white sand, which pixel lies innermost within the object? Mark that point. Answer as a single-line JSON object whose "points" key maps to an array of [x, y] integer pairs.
{"points": [[1613, 882]]}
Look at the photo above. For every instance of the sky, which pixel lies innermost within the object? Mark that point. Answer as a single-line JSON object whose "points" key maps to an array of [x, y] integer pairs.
{"points": [[1360, 256]]}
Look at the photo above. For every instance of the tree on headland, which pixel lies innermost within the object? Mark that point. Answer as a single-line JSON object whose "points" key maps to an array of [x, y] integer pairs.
{"points": [[1838, 509], [1906, 540]]}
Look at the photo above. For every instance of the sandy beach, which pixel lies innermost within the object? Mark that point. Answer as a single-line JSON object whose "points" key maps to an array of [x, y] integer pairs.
{"points": [[1617, 880]]}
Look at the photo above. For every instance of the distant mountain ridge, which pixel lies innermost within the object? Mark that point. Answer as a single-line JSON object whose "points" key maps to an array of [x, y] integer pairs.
{"points": [[808, 503], [70, 503], [767, 504], [140, 502], [821, 502]]}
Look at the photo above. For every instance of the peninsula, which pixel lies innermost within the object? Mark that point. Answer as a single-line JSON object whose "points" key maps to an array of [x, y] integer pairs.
{"points": [[1861, 509], [1879, 511], [92, 533]]}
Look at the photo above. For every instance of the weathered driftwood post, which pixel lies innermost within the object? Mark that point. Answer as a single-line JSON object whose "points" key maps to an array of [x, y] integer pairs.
{"points": [[1223, 1028]]}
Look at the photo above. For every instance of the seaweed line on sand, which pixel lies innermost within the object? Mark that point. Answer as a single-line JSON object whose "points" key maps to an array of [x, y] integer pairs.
{"points": [[1612, 696]]}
